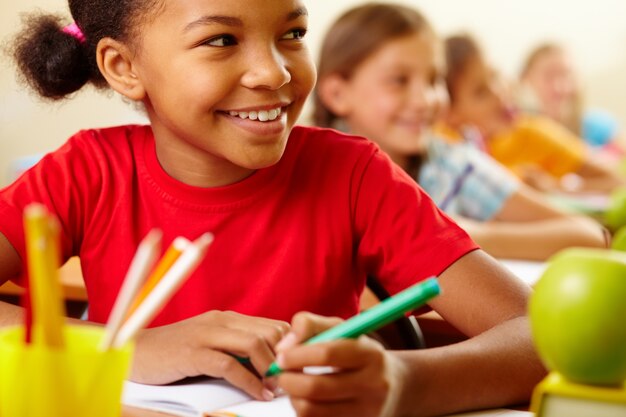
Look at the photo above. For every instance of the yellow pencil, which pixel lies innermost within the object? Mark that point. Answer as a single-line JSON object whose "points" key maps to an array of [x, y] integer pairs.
{"points": [[43, 257]]}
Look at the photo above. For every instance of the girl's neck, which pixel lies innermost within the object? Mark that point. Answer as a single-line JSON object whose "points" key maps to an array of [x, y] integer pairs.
{"points": [[195, 167]]}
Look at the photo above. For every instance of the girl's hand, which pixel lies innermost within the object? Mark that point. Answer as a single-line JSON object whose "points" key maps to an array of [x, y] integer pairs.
{"points": [[207, 345], [366, 381]]}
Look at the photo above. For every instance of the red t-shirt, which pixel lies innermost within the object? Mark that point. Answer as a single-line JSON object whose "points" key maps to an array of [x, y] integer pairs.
{"points": [[300, 235]]}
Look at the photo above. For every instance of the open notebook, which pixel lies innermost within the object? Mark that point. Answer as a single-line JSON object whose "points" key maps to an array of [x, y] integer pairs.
{"points": [[200, 397]]}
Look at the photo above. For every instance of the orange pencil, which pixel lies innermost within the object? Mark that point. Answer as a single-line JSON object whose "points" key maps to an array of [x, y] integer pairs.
{"points": [[171, 255], [165, 288]]}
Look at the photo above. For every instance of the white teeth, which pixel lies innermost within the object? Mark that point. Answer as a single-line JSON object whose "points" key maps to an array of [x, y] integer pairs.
{"points": [[260, 115]]}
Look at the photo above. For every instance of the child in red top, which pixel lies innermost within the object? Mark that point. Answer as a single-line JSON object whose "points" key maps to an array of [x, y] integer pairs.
{"points": [[300, 215]]}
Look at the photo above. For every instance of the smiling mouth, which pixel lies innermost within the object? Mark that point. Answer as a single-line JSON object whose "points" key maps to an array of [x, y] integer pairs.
{"points": [[258, 115]]}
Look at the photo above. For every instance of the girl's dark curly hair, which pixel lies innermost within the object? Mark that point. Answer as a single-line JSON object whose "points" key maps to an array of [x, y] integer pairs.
{"points": [[56, 64]]}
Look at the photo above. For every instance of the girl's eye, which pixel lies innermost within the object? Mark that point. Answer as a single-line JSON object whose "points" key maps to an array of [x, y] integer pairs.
{"points": [[295, 34], [221, 40], [400, 80]]}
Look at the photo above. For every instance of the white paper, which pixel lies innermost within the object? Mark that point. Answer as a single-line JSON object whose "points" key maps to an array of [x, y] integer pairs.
{"points": [[527, 271]]}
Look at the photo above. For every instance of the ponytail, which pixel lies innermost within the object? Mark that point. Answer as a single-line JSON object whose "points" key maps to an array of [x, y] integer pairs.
{"points": [[51, 61]]}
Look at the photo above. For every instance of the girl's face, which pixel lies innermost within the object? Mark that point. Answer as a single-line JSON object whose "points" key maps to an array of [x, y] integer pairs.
{"points": [[391, 96], [552, 80], [224, 84], [477, 99]]}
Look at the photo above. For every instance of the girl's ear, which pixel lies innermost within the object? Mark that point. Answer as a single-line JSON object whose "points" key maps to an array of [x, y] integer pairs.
{"points": [[333, 92], [115, 63]]}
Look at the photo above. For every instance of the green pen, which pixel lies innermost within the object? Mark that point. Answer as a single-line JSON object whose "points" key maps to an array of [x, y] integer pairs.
{"points": [[376, 317]]}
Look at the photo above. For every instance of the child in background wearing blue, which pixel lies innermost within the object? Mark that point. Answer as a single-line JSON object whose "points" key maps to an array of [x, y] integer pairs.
{"points": [[300, 215], [384, 88]]}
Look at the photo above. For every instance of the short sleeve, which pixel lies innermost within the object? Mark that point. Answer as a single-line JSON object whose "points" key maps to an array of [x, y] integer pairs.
{"points": [[405, 238], [56, 181]]}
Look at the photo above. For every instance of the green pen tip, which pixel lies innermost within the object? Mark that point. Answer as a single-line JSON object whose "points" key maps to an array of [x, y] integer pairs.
{"points": [[273, 370]]}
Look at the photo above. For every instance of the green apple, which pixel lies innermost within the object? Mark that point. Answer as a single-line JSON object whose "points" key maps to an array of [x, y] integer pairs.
{"points": [[619, 239], [578, 315], [615, 216]]}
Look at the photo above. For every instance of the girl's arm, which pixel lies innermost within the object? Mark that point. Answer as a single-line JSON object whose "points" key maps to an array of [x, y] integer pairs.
{"points": [[496, 367], [527, 227], [10, 266], [599, 178], [537, 240]]}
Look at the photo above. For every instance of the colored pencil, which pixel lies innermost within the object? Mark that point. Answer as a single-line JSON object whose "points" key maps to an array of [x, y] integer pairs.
{"points": [[167, 286], [140, 267]]}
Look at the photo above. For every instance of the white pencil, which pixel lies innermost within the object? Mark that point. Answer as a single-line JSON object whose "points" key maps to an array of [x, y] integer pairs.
{"points": [[140, 267], [162, 292]]}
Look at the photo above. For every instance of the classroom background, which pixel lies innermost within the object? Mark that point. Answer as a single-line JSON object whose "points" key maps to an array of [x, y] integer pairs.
{"points": [[593, 31]]}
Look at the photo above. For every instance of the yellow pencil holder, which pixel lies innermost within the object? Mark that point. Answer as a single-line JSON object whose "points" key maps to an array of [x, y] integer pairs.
{"points": [[76, 380]]}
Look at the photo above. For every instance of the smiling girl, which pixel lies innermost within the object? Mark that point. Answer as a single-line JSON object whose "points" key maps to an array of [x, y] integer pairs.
{"points": [[300, 215]]}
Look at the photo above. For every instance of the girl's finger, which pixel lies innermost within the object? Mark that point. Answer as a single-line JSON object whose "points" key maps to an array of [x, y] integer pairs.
{"points": [[306, 325], [344, 354], [344, 386], [271, 330], [221, 365], [242, 344]]}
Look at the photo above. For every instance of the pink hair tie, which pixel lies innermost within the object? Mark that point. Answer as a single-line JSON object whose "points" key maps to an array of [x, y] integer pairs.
{"points": [[74, 31]]}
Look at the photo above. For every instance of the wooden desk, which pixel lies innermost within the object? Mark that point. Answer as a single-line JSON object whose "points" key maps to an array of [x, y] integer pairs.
{"points": [[138, 412], [71, 282]]}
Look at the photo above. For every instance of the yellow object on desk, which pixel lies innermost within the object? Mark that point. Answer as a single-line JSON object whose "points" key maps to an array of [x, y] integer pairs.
{"points": [[555, 396], [77, 380], [51, 369], [42, 252]]}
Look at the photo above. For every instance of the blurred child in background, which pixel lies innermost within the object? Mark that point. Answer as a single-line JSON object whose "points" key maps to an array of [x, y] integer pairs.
{"points": [[549, 86], [538, 149], [382, 84]]}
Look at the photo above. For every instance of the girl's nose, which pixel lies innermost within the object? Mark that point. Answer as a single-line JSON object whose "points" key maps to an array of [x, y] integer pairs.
{"points": [[421, 97], [266, 69]]}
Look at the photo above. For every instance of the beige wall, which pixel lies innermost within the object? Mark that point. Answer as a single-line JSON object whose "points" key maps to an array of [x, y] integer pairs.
{"points": [[593, 30], [29, 126]]}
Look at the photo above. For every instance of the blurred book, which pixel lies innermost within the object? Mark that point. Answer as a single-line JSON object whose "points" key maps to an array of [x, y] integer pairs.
{"points": [[557, 397]]}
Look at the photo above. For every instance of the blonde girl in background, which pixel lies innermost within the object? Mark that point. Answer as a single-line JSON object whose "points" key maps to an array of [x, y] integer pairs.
{"points": [[550, 85]]}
